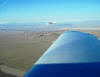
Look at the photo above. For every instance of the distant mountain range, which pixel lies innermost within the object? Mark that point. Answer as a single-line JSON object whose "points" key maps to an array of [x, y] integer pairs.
{"points": [[88, 24], [43, 26], [33, 26]]}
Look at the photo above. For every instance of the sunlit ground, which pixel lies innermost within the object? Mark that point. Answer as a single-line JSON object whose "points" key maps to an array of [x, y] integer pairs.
{"points": [[20, 49]]}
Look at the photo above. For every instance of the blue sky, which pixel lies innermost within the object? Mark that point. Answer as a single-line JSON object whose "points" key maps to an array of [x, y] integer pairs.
{"points": [[25, 11]]}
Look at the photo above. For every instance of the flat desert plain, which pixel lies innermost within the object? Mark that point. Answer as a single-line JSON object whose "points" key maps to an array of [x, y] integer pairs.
{"points": [[21, 49]]}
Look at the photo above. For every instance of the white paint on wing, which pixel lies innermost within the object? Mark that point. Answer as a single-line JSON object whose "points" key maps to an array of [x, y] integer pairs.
{"points": [[72, 47]]}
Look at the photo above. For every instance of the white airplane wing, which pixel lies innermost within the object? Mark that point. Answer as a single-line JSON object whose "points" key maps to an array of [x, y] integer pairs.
{"points": [[74, 54]]}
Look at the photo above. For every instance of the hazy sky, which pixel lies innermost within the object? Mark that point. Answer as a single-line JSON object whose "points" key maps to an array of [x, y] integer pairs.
{"points": [[48, 10]]}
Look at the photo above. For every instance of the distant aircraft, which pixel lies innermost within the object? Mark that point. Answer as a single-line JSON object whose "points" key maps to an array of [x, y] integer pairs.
{"points": [[74, 54], [48, 23]]}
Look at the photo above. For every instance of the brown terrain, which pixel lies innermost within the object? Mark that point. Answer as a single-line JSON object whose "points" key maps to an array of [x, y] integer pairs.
{"points": [[19, 50]]}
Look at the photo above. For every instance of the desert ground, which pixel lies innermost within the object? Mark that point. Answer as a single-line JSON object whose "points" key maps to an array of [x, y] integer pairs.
{"points": [[21, 49]]}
